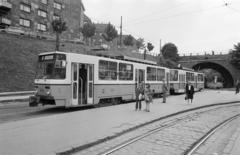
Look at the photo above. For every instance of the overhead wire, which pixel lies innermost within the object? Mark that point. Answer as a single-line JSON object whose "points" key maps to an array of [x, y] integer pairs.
{"points": [[177, 15], [153, 13]]}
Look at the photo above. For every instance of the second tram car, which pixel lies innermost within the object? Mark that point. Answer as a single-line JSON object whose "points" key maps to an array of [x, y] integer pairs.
{"points": [[179, 78], [72, 79]]}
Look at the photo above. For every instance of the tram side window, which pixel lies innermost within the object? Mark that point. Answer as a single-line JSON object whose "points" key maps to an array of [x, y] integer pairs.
{"points": [[173, 75], [151, 74], [125, 71], [107, 70], [200, 77], [160, 74], [190, 76], [181, 77]]}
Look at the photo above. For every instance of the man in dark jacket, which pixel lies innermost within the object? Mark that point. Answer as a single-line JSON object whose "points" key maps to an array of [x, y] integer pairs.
{"points": [[139, 95], [164, 91]]}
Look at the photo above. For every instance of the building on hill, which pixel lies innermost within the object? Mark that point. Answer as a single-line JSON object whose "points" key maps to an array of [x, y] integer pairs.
{"points": [[99, 40], [34, 17], [86, 19]]}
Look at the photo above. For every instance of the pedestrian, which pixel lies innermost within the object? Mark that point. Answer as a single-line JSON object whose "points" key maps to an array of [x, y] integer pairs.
{"points": [[164, 91], [237, 86], [139, 95], [148, 97], [189, 92]]}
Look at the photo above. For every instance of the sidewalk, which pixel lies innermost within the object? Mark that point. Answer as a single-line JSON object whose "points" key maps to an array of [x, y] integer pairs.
{"points": [[62, 132]]}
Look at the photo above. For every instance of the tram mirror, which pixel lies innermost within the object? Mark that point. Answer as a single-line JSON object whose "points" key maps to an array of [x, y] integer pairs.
{"points": [[64, 63]]}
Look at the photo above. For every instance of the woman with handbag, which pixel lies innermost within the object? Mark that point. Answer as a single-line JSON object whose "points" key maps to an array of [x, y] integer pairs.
{"points": [[148, 97], [139, 96]]}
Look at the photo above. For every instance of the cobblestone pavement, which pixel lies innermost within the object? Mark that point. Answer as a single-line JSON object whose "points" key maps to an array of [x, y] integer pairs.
{"points": [[223, 141], [172, 140]]}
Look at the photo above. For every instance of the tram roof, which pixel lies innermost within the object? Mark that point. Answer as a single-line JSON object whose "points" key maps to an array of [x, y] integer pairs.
{"points": [[118, 57]]}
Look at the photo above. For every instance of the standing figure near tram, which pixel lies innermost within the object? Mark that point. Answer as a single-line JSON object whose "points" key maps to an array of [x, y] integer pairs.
{"points": [[164, 91], [148, 97], [139, 95], [189, 89], [237, 86]]}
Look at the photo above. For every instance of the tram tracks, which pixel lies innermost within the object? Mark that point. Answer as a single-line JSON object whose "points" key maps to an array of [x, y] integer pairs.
{"points": [[121, 144], [202, 140]]}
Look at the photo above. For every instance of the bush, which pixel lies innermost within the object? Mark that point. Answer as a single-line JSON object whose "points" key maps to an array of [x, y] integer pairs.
{"points": [[217, 85]]}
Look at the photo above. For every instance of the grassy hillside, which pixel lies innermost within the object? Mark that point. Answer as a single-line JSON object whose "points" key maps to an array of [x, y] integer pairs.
{"points": [[18, 57]]}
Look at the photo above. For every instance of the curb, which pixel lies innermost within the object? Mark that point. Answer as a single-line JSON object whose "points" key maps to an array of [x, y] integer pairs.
{"points": [[88, 145]]}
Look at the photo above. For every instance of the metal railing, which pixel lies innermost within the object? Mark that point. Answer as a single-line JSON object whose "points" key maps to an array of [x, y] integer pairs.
{"points": [[16, 93]]}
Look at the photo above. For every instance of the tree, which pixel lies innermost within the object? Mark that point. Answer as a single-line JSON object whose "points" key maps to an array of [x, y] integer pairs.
{"points": [[170, 51], [110, 33], [128, 41], [235, 55], [88, 30], [150, 46], [140, 43], [58, 26]]}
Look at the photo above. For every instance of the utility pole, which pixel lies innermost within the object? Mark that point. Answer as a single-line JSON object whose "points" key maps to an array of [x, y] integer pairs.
{"points": [[121, 32], [160, 50]]}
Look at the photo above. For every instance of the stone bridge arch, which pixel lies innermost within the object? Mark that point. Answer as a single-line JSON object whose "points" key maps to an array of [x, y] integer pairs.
{"points": [[228, 77], [220, 63]]}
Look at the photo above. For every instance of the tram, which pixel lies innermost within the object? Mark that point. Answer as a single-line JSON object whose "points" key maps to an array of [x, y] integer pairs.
{"points": [[72, 79], [180, 77]]}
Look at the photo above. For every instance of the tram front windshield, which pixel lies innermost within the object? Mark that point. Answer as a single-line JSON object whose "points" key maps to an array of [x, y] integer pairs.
{"points": [[52, 66]]}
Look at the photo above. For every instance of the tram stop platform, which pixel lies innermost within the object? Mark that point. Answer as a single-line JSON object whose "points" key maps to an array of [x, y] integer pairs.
{"points": [[68, 130]]}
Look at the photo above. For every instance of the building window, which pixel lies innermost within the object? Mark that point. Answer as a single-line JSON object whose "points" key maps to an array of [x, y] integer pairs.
{"points": [[56, 17], [42, 13], [44, 1], [25, 22], [25, 8], [57, 5], [41, 27]]}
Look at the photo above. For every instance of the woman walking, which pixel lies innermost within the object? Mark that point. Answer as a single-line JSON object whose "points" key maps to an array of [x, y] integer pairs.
{"points": [[189, 91], [148, 97]]}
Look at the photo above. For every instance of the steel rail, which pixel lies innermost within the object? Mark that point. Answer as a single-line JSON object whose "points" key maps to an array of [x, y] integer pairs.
{"points": [[196, 145], [169, 124]]}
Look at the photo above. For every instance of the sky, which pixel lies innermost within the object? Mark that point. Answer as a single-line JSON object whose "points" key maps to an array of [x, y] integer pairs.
{"points": [[194, 26]]}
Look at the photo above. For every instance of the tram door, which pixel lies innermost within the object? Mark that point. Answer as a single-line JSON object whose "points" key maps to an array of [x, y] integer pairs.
{"points": [[196, 78], [168, 78], [82, 84], [90, 84], [75, 88], [139, 76]]}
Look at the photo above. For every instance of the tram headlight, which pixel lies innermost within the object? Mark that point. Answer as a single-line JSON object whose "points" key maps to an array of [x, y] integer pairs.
{"points": [[48, 92]]}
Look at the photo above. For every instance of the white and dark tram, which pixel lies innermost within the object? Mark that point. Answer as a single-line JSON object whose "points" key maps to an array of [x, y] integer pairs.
{"points": [[179, 78], [72, 79]]}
